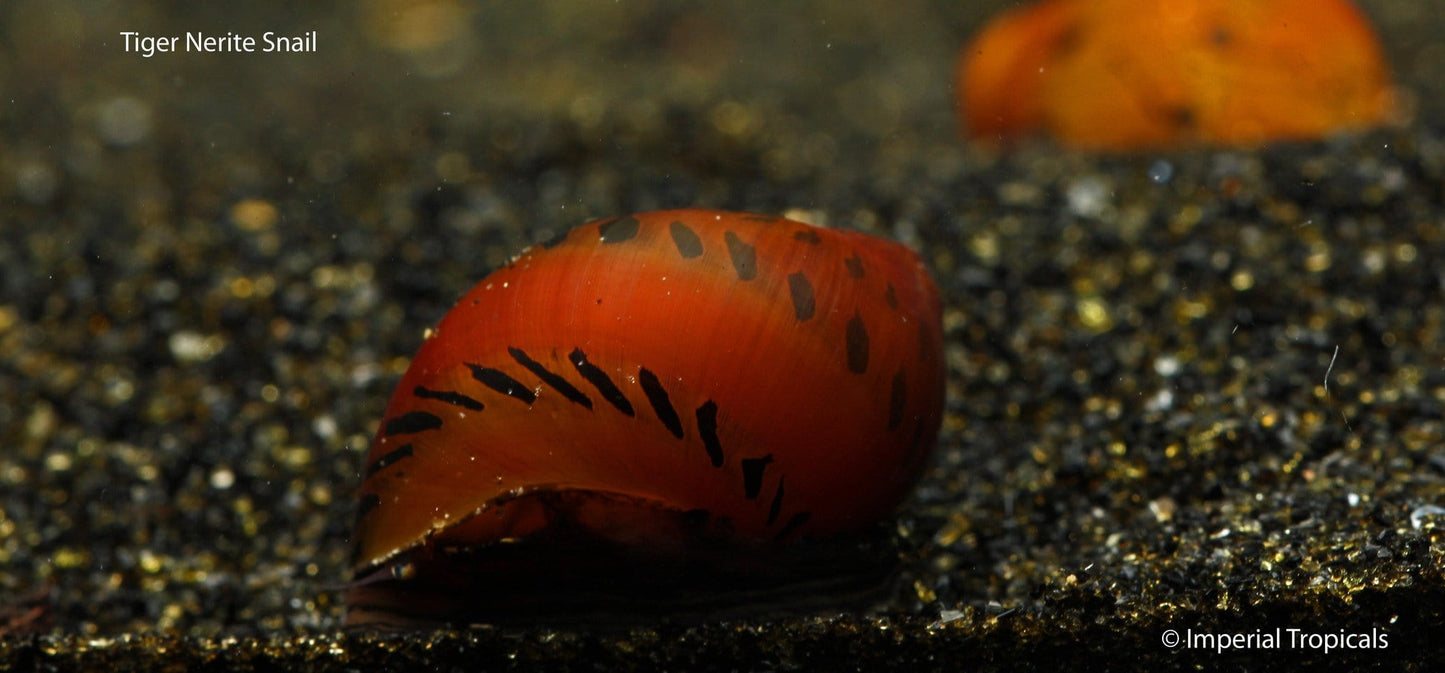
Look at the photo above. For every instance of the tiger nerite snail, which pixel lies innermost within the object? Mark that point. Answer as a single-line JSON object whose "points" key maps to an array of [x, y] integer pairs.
{"points": [[689, 388]]}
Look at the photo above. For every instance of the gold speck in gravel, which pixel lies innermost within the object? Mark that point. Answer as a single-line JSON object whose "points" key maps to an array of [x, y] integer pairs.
{"points": [[254, 214]]}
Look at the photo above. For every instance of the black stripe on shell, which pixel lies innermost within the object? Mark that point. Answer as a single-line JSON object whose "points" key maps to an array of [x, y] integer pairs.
{"points": [[368, 503], [661, 404], [794, 522], [499, 381], [777, 505], [707, 427], [411, 422], [600, 381], [387, 460], [448, 396], [551, 378]]}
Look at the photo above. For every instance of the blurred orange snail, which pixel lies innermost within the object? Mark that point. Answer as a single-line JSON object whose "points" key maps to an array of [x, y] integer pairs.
{"points": [[1140, 74], [648, 397]]}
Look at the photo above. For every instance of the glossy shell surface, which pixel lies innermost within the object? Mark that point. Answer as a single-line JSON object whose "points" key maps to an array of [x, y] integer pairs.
{"points": [[761, 379]]}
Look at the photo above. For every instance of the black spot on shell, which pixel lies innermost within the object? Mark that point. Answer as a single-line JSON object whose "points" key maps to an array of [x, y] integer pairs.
{"points": [[687, 242], [1067, 40], [744, 256], [855, 266], [753, 475], [801, 292], [1221, 36], [619, 230], [807, 236], [1182, 117], [857, 339], [890, 296]]}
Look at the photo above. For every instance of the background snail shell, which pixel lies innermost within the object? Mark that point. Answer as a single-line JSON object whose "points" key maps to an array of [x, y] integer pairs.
{"points": [[659, 383], [1123, 75]]}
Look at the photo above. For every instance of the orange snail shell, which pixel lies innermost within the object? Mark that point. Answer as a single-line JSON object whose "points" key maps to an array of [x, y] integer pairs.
{"points": [[1139, 75], [668, 385]]}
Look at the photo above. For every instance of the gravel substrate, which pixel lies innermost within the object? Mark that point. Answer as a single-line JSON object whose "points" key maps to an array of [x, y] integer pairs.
{"points": [[1195, 392]]}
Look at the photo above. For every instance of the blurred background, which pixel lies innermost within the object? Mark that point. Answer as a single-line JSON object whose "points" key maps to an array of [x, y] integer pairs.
{"points": [[214, 266], [812, 78]]}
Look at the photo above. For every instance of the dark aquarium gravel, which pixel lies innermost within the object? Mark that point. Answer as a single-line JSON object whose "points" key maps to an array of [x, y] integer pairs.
{"points": [[1196, 394]]}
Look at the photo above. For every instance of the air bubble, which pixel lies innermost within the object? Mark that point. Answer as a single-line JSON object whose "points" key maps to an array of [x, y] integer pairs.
{"points": [[1161, 171]]}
